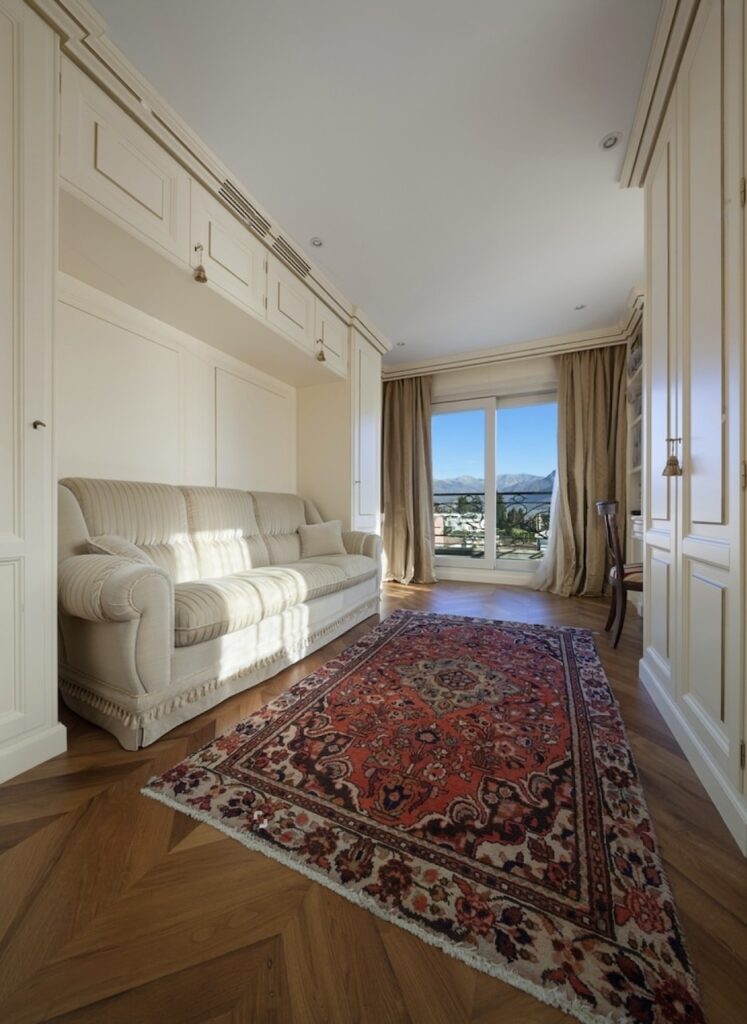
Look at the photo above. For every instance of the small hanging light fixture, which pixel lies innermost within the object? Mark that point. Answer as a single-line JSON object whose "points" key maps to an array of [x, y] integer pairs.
{"points": [[672, 466], [200, 273]]}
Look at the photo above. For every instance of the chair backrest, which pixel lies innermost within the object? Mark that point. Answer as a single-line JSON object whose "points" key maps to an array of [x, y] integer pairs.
{"points": [[608, 511]]}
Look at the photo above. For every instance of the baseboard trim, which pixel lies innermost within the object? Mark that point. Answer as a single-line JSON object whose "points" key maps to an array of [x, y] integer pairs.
{"points": [[466, 574], [29, 751], [729, 803]]}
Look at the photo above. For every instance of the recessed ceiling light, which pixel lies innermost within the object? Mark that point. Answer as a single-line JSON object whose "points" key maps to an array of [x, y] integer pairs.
{"points": [[581, 305], [611, 140], [316, 242]]}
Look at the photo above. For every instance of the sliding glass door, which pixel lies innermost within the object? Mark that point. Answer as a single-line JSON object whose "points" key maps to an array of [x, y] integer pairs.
{"points": [[493, 475], [463, 444]]}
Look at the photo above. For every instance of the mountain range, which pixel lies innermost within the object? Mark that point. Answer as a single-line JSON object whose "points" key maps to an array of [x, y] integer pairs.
{"points": [[510, 483]]}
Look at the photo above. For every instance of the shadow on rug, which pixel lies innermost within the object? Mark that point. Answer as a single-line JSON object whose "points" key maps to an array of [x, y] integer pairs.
{"points": [[471, 782]]}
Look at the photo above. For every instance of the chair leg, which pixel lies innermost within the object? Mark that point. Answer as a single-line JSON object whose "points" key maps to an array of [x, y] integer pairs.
{"points": [[622, 601], [613, 609]]}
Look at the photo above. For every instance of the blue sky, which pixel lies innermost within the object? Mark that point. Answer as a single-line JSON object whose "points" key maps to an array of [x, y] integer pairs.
{"points": [[526, 441]]}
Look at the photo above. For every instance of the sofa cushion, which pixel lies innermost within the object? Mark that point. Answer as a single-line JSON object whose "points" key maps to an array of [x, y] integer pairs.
{"points": [[279, 517], [151, 516], [355, 567], [224, 531], [206, 609], [321, 539], [110, 544]]}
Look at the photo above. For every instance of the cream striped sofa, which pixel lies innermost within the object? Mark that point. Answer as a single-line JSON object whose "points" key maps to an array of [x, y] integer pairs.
{"points": [[173, 598]]}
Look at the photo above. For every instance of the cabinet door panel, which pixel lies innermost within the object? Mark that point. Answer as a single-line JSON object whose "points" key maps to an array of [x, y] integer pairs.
{"points": [[711, 623], [235, 261], [660, 368], [332, 334], [366, 435], [290, 304], [119, 168], [29, 731], [703, 326]]}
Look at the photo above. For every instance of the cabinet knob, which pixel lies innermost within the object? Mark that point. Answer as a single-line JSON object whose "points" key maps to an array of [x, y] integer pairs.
{"points": [[38, 423]]}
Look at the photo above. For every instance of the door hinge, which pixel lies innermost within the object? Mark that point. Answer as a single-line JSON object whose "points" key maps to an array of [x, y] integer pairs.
{"points": [[743, 191], [264, 299], [742, 755], [743, 475]]}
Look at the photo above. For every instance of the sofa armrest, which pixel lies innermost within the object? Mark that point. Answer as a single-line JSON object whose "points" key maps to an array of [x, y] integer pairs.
{"points": [[106, 588], [358, 543]]}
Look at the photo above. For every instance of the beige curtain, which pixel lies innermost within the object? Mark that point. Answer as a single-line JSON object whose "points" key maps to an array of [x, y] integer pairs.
{"points": [[408, 480], [592, 444]]}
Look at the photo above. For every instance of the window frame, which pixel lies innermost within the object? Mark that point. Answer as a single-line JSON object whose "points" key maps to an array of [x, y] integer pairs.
{"points": [[490, 405]]}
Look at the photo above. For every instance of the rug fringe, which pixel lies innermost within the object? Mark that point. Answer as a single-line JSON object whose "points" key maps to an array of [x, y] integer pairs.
{"points": [[551, 997]]}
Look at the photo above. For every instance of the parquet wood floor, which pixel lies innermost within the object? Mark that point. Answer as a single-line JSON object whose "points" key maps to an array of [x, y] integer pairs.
{"points": [[116, 909]]}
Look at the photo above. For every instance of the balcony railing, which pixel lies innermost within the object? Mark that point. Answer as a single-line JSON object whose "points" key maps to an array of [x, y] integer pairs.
{"points": [[521, 528]]}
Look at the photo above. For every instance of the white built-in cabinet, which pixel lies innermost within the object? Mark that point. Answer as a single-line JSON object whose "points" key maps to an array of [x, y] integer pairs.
{"points": [[110, 164], [339, 441], [29, 731], [694, 604]]}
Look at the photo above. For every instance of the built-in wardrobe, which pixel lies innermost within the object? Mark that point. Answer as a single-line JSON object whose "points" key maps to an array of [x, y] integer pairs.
{"points": [[691, 163], [156, 323]]}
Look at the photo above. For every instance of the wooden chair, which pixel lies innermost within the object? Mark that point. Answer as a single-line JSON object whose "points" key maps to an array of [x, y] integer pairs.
{"points": [[622, 577]]}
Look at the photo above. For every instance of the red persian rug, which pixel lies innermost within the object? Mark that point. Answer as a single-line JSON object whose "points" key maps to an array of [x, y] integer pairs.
{"points": [[471, 782]]}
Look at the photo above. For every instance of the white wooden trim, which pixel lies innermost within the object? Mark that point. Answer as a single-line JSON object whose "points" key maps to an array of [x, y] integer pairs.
{"points": [[728, 801], [555, 345], [672, 33], [32, 749]]}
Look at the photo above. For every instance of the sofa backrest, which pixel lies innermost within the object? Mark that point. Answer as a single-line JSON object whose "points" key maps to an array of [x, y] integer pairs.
{"points": [[224, 531], [152, 516], [192, 532], [279, 517]]}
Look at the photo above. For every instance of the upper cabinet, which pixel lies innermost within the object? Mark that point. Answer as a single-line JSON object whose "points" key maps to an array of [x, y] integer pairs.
{"points": [[110, 158], [129, 198], [291, 306], [331, 337], [234, 260]]}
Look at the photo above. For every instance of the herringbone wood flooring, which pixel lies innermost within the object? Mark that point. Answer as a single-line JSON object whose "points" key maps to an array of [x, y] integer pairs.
{"points": [[116, 909]]}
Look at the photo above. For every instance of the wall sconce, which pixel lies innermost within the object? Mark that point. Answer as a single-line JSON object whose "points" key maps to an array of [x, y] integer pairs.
{"points": [[320, 354], [672, 466], [200, 274]]}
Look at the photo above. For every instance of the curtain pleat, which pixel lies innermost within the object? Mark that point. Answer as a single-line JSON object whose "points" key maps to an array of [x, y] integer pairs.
{"points": [[592, 444], [408, 481]]}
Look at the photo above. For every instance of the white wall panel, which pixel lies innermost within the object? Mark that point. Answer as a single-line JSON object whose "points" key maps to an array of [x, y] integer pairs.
{"points": [[139, 400], [255, 434], [117, 401]]}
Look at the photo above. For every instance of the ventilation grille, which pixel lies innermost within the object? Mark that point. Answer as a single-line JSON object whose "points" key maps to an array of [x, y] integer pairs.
{"points": [[289, 255], [248, 213]]}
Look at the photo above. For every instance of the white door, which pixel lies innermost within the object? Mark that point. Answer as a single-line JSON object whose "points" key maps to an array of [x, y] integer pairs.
{"points": [[710, 103], [366, 383], [29, 731]]}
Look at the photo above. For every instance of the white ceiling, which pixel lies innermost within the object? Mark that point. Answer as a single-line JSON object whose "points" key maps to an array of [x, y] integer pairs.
{"points": [[446, 152]]}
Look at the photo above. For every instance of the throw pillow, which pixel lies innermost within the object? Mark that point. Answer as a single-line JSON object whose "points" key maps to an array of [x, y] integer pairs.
{"points": [[321, 539], [110, 544]]}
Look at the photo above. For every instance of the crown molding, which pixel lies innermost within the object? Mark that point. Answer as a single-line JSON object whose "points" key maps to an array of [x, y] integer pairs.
{"points": [[670, 39], [84, 40], [619, 334]]}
